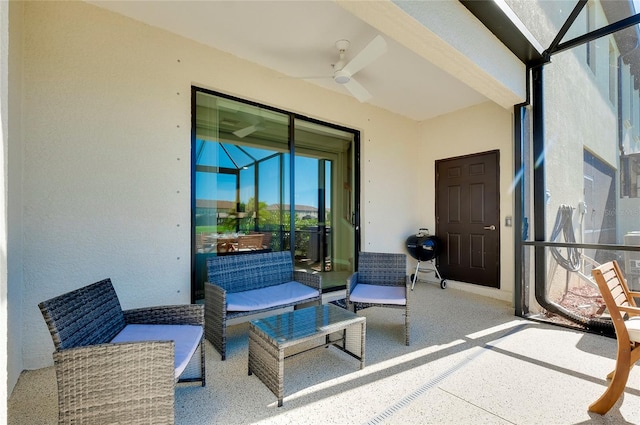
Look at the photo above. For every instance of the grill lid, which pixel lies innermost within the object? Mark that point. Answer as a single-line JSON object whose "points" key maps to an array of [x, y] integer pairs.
{"points": [[422, 246]]}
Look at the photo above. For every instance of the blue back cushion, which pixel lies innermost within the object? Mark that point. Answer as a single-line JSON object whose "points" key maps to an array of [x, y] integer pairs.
{"points": [[236, 273]]}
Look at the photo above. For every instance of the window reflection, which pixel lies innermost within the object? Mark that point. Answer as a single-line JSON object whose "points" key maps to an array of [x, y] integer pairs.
{"points": [[243, 167]]}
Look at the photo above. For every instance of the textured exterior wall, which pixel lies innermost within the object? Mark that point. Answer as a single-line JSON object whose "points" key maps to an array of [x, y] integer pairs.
{"points": [[486, 127], [4, 90], [11, 60], [107, 156]]}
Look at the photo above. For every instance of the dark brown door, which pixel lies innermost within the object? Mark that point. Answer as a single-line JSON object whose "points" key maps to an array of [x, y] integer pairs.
{"points": [[468, 218]]}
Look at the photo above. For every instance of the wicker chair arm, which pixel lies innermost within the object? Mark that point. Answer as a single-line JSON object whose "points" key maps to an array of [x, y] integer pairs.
{"points": [[215, 297], [310, 279], [184, 314], [215, 328], [352, 281], [215, 305], [407, 288], [116, 383]]}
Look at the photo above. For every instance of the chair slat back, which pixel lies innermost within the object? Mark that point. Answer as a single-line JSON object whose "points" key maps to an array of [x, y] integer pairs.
{"points": [[266, 238], [253, 241], [236, 273], [378, 268], [615, 294], [612, 284]]}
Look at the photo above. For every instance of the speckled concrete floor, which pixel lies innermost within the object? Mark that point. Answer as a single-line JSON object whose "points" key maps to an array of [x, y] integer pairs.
{"points": [[471, 361]]}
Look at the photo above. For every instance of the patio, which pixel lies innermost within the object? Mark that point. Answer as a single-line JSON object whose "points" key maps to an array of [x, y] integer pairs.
{"points": [[471, 361]]}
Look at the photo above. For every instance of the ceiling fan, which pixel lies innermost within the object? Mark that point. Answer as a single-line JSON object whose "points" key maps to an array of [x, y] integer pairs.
{"points": [[256, 123], [244, 132], [343, 71]]}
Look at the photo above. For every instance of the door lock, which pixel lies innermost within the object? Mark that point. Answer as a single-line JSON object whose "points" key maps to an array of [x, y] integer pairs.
{"points": [[492, 227]]}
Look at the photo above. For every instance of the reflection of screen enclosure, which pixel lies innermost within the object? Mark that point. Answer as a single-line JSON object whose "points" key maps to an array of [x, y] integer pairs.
{"points": [[581, 179], [246, 181], [600, 212]]}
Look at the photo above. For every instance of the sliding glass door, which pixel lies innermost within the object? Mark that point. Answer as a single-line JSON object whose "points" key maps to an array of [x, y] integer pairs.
{"points": [[324, 200], [267, 180]]}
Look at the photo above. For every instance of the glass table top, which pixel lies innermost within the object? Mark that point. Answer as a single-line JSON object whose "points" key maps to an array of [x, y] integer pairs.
{"points": [[305, 322]]}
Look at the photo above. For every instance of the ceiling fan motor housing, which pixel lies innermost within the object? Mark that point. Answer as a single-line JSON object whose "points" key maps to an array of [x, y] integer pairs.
{"points": [[341, 77]]}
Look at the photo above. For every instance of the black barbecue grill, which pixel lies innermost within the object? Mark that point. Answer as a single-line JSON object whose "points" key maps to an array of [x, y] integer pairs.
{"points": [[425, 248]]}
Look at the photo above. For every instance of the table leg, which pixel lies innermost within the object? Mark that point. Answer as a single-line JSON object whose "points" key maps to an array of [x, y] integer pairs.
{"points": [[266, 361], [280, 376], [354, 341], [363, 330]]}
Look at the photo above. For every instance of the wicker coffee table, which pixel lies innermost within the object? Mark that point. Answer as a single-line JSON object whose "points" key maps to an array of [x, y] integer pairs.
{"points": [[297, 332]]}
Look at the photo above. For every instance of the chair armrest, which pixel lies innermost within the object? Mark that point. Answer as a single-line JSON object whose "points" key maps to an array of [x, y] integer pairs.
{"points": [[215, 302], [631, 311], [407, 288], [634, 294], [352, 281], [184, 314], [310, 279], [116, 383], [215, 328], [215, 296]]}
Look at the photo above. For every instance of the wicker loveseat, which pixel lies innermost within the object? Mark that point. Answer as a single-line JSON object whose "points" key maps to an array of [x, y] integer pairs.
{"points": [[241, 285], [115, 366]]}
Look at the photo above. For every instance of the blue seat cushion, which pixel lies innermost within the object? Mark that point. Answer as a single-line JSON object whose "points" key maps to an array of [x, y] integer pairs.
{"points": [[378, 294], [186, 338], [270, 296]]}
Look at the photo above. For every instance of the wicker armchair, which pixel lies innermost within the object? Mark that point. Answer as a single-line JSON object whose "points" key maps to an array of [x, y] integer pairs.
{"points": [[130, 382], [380, 281]]}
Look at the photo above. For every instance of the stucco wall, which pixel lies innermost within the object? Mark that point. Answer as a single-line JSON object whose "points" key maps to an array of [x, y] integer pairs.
{"points": [[15, 234], [473, 130], [107, 156], [4, 137]]}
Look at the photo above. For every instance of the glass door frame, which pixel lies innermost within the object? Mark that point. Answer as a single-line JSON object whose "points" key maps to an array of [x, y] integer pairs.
{"points": [[355, 210]]}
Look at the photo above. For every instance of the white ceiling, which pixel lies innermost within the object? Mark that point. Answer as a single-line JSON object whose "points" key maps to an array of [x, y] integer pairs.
{"points": [[297, 39]]}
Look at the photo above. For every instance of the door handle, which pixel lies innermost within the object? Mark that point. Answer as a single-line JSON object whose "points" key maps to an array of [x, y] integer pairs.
{"points": [[492, 227]]}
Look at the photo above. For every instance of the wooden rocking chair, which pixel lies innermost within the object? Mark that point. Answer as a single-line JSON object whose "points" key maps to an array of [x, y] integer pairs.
{"points": [[626, 321]]}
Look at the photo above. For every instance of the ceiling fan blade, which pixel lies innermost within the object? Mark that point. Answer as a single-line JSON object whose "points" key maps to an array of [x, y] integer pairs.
{"points": [[308, 77], [252, 116], [357, 90], [244, 132], [372, 51]]}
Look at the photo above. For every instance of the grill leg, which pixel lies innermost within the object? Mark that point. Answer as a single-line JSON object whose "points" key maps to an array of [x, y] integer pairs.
{"points": [[435, 268], [415, 276]]}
